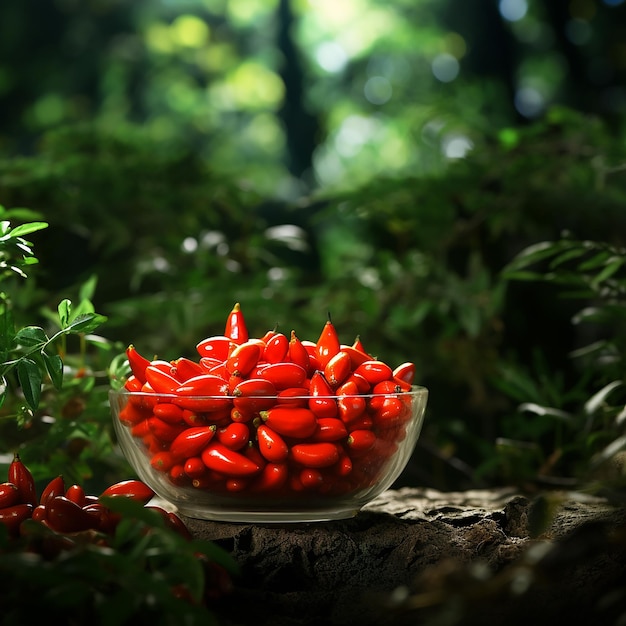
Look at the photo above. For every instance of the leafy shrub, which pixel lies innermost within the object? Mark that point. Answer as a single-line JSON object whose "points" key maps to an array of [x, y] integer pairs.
{"points": [[573, 435]]}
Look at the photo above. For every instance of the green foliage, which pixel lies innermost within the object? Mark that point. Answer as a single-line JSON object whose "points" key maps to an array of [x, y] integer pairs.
{"points": [[585, 425], [143, 574], [36, 358], [297, 94], [42, 388]]}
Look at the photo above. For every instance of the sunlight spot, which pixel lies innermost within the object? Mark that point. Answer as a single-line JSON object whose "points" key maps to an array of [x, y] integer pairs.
{"points": [[331, 56], [378, 90], [529, 101], [189, 245], [353, 134], [456, 146], [160, 264], [328, 166], [276, 274], [212, 238], [292, 236], [158, 37], [233, 266], [445, 67], [190, 31], [513, 10], [369, 277], [245, 12], [254, 86]]}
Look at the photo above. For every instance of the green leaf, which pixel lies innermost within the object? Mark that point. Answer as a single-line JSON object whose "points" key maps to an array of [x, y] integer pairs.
{"points": [[65, 311], [84, 307], [18, 271], [20, 214], [596, 260], [31, 336], [22, 245], [30, 379], [86, 323], [4, 389], [533, 254], [562, 258], [54, 367], [88, 288], [25, 229], [607, 272], [598, 398], [533, 407]]}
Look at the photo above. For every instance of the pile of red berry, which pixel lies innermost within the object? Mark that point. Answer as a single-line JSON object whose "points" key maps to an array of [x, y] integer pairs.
{"points": [[68, 509], [270, 415]]}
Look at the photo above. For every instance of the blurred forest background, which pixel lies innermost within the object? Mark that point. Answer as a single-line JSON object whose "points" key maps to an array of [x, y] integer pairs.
{"points": [[382, 160]]}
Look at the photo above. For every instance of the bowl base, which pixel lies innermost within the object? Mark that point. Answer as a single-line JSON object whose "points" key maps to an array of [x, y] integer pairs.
{"points": [[267, 517]]}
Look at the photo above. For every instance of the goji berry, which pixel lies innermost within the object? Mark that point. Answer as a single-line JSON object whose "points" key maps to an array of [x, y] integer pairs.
{"points": [[134, 489], [9, 494], [191, 441], [216, 347], [405, 372], [327, 344], [235, 328], [271, 445], [22, 478], [229, 462], [276, 349], [315, 455], [294, 422], [137, 363], [338, 368], [234, 436], [243, 358]]}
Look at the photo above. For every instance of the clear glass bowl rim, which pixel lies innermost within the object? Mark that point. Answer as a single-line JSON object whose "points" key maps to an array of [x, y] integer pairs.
{"points": [[415, 390]]}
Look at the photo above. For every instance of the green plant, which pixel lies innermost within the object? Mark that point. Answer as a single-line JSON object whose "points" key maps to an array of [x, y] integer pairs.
{"points": [[44, 387], [143, 571], [574, 435]]}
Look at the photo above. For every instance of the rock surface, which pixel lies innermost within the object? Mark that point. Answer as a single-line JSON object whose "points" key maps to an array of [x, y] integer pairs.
{"points": [[419, 556]]}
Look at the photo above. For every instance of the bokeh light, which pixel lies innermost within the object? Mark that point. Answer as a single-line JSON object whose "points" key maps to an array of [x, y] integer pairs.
{"points": [[513, 10], [378, 90], [529, 101], [445, 67], [331, 56]]}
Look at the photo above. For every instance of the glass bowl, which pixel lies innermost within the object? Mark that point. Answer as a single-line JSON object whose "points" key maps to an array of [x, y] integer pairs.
{"points": [[276, 459]]}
